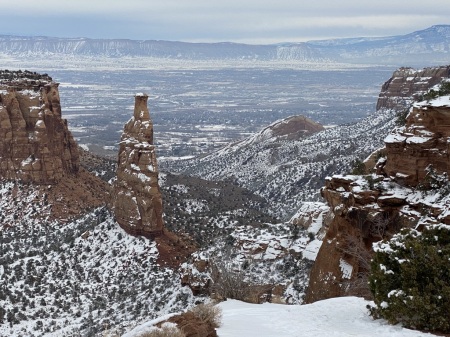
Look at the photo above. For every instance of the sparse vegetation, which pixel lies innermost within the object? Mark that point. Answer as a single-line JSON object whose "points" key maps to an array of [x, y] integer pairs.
{"points": [[229, 282], [401, 117], [444, 89], [208, 313], [166, 330], [410, 279], [358, 167]]}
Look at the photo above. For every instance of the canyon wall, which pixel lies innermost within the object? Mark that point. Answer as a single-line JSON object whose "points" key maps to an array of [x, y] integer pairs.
{"points": [[407, 84], [406, 185], [35, 143]]}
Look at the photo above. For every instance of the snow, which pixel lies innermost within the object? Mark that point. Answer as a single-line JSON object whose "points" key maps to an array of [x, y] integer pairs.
{"points": [[337, 317], [85, 147], [417, 140], [346, 269], [440, 101], [312, 249], [394, 138]]}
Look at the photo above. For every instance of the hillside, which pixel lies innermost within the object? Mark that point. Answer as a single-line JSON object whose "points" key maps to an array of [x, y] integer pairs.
{"points": [[433, 42]]}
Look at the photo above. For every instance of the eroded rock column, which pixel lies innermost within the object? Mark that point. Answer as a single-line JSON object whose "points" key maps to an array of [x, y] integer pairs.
{"points": [[137, 200]]}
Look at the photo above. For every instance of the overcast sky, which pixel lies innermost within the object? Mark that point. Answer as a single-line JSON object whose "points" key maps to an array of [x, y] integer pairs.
{"points": [[248, 21]]}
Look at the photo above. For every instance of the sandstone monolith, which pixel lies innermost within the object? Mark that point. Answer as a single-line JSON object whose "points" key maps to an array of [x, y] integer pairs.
{"points": [[137, 199]]}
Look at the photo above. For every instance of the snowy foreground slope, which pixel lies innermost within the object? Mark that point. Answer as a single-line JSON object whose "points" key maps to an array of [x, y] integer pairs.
{"points": [[337, 317]]}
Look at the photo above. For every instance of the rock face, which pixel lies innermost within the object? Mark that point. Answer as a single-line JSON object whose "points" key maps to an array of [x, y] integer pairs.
{"points": [[35, 143], [137, 200], [424, 141], [407, 84], [409, 188]]}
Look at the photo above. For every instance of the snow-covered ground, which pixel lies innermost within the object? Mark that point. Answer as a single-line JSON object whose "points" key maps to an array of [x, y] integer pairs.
{"points": [[337, 317]]}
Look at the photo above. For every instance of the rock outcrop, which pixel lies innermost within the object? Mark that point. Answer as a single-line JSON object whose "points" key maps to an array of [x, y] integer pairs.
{"points": [[137, 199], [37, 148], [35, 143], [423, 142], [409, 188], [408, 84]]}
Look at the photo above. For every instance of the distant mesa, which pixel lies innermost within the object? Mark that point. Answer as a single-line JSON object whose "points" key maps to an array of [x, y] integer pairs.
{"points": [[137, 197], [427, 46]]}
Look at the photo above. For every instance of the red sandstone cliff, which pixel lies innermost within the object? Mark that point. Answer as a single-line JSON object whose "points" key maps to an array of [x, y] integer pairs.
{"points": [[409, 188], [35, 143], [37, 147], [407, 84]]}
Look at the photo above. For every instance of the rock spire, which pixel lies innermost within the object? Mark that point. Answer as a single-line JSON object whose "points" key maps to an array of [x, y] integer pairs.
{"points": [[137, 200]]}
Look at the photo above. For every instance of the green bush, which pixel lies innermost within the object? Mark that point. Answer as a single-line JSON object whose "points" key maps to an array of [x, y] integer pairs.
{"points": [[358, 167], [410, 279]]}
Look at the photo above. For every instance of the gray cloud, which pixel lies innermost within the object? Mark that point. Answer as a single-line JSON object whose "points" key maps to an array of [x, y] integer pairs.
{"points": [[253, 21]]}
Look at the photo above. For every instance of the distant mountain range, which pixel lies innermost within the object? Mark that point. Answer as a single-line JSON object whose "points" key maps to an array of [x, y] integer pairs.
{"points": [[430, 46]]}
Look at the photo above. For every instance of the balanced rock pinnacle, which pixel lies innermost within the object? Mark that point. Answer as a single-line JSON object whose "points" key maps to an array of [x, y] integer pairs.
{"points": [[137, 200], [35, 143]]}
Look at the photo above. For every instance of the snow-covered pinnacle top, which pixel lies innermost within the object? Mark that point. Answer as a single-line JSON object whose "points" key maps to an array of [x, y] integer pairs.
{"points": [[141, 112]]}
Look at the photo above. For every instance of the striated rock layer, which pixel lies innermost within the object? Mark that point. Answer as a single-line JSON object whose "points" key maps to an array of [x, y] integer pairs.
{"points": [[424, 141], [409, 188], [35, 143], [137, 200], [407, 84], [37, 148]]}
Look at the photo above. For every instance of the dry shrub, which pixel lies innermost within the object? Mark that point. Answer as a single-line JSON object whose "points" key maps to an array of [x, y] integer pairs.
{"points": [[166, 330], [229, 282], [208, 313]]}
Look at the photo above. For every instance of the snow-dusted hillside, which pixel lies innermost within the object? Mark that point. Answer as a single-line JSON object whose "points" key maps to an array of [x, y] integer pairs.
{"points": [[289, 172], [85, 275]]}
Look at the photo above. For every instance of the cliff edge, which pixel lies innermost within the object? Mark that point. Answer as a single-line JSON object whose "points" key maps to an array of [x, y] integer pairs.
{"points": [[407, 185]]}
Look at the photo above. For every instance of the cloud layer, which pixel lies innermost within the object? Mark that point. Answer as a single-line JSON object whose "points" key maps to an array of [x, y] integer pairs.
{"points": [[251, 21]]}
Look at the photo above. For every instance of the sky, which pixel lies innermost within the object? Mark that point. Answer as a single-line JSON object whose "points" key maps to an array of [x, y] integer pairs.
{"points": [[245, 21]]}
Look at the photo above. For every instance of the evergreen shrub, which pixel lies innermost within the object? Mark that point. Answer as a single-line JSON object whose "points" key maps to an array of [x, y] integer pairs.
{"points": [[410, 279]]}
